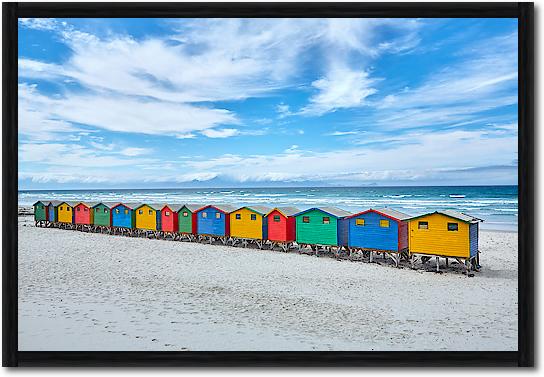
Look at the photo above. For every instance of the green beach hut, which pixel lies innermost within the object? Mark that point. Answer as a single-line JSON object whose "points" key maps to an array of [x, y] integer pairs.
{"points": [[186, 220], [319, 226], [102, 214], [40, 211]]}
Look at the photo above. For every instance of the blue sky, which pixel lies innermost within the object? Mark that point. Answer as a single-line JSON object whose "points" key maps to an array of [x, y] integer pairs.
{"points": [[136, 103]]}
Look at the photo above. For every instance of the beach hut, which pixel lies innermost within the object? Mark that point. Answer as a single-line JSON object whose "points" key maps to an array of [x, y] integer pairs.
{"points": [[52, 211], [281, 226], [213, 222], [187, 221], [169, 217], [319, 226], [148, 217], [248, 223], [83, 215], [447, 234], [381, 230], [102, 216], [122, 217], [40, 213], [65, 213]]}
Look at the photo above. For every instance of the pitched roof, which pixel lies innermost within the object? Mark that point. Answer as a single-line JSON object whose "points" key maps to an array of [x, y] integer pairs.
{"points": [[334, 211], [54, 202], [59, 202], [393, 213], [226, 208], [262, 210], [107, 204], [87, 204], [193, 207], [129, 205], [286, 211], [39, 201], [173, 207], [154, 206], [453, 214]]}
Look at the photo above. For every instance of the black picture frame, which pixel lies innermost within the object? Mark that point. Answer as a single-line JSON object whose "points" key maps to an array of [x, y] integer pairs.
{"points": [[522, 11]]}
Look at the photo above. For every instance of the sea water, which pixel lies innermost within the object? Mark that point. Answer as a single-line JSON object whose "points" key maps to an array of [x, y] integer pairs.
{"points": [[496, 205]]}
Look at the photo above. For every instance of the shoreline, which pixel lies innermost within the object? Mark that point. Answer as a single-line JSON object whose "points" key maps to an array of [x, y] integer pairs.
{"points": [[92, 291]]}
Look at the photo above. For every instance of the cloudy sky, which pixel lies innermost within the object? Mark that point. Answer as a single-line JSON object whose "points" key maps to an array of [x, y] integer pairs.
{"points": [[128, 103]]}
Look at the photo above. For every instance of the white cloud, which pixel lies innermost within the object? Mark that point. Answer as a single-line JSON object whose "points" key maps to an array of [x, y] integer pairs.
{"points": [[341, 88], [344, 133], [219, 134], [44, 115], [423, 155], [134, 151], [39, 23]]}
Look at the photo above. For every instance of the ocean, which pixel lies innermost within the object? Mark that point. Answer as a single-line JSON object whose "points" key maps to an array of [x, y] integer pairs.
{"points": [[496, 205]]}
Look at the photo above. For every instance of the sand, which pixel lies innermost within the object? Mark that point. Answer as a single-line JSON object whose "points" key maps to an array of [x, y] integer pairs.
{"points": [[80, 291]]}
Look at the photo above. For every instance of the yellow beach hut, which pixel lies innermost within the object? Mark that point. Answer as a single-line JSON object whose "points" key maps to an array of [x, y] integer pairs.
{"points": [[65, 212], [448, 234], [148, 217], [249, 223]]}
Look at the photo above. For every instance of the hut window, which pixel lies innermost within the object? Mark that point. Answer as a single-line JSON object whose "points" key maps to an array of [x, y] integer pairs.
{"points": [[185, 214], [167, 213], [204, 214], [60, 208], [326, 220], [85, 209], [384, 223], [238, 216], [117, 211], [253, 217], [305, 219], [150, 212], [423, 225], [98, 209], [453, 227], [105, 210], [360, 222], [78, 209], [277, 218], [126, 211], [140, 212], [217, 215]]}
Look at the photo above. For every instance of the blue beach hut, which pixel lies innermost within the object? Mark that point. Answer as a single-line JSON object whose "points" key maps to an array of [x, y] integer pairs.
{"points": [[213, 220], [376, 229], [122, 215]]}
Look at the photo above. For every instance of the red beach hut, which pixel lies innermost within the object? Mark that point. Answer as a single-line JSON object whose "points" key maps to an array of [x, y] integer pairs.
{"points": [[169, 217], [282, 224], [83, 213]]}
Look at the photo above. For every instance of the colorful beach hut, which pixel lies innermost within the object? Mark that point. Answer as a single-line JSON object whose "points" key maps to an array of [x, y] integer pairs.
{"points": [[248, 223], [148, 217], [213, 221], [187, 221], [381, 230], [282, 224], [83, 213], [445, 234], [40, 212], [169, 217], [319, 226], [122, 216], [102, 214], [65, 212], [52, 210]]}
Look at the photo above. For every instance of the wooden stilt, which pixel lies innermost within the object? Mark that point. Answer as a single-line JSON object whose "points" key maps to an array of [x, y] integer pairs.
{"points": [[437, 264]]}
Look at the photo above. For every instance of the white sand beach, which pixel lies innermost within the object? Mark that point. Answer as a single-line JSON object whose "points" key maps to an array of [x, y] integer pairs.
{"points": [[81, 291]]}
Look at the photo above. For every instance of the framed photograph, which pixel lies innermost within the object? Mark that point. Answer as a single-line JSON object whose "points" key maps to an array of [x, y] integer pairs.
{"points": [[284, 184]]}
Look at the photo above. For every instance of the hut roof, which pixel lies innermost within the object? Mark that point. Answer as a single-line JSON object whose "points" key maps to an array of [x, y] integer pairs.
{"points": [[54, 202], [155, 206], [59, 202], [173, 207], [192, 207], [262, 210], [87, 204], [333, 211], [286, 211], [394, 214], [39, 201], [453, 214], [128, 205], [226, 208], [107, 204]]}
